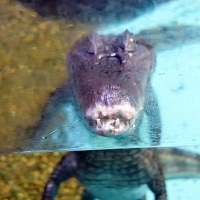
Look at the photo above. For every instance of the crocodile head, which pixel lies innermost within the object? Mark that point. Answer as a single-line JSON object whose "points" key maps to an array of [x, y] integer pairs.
{"points": [[110, 75]]}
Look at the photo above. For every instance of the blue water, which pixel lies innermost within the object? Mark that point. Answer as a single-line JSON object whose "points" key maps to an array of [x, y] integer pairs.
{"points": [[175, 12]]}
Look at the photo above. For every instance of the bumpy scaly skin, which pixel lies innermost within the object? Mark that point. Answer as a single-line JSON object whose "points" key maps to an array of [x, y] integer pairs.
{"points": [[108, 74], [111, 78], [121, 174]]}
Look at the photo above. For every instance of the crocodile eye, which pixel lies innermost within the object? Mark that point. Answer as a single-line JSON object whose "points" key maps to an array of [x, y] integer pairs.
{"points": [[131, 45], [129, 42]]}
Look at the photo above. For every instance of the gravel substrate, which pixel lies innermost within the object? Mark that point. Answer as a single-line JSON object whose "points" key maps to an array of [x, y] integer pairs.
{"points": [[33, 52]]}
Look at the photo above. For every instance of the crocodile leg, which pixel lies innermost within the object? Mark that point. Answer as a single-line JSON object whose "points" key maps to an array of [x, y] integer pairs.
{"points": [[63, 171], [157, 185]]}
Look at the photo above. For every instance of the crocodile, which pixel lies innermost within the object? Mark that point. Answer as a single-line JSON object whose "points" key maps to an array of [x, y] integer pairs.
{"points": [[122, 173], [110, 80]]}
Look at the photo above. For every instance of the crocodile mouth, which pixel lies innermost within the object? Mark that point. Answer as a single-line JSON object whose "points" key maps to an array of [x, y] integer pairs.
{"points": [[111, 120]]}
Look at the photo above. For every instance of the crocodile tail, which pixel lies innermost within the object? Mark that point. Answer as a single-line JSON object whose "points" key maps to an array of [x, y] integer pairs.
{"points": [[169, 37], [178, 163]]}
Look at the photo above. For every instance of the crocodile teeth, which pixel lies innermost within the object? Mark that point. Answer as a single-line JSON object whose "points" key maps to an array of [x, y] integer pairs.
{"points": [[99, 124]]}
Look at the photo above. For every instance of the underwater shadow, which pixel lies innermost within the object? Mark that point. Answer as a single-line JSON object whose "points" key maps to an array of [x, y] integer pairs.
{"points": [[89, 11]]}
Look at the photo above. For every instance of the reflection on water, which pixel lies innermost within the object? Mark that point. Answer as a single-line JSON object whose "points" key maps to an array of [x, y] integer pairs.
{"points": [[33, 51]]}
